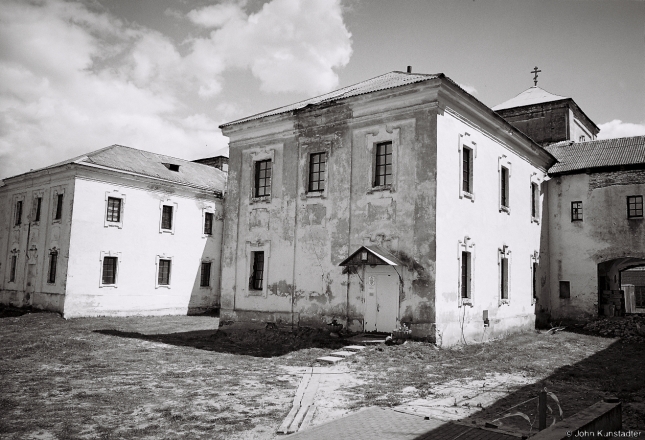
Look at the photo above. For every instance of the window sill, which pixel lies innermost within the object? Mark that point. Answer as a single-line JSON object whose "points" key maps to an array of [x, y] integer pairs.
{"points": [[381, 188], [635, 218], [505, 209], [255, 292], [467, 195], [504, 302], [535, 220], [316, 194], [166, 231], [108, 285], [466, 302], [263, 199], [163, 286]]}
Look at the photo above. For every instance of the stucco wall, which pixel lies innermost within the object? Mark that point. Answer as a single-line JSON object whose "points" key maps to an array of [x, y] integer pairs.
{"points": [[32, 241], [488, 229], [604, 234], [138, 243]]}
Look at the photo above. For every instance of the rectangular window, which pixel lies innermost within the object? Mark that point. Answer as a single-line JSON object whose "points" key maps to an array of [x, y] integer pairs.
{"points": [[465, 274], [38, 202], [317, 162], [208, 223], [163, 277], [12, 273], [467, 163], [503, 267], [166, 217], [53, 261], [576, 211], [534, 286], [18, 219], [109, 270], [205, 278], [504, 189], [535, 199], [383, 169], [262, 178], [114, 209], [634, 206], [257, 273], [565, 289], [59, 207]]}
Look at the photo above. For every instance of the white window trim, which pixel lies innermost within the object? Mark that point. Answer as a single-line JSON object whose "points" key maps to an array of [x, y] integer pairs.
{"points": [[503, 252], [18, 198], [163, 257], [466, 245], [536, 180], [251, 247], [385, 134], [54, 199], [258, 156], [210, 280], [173, 222], [503, 161], [535, 259], [54, 249], [115, 195], [14, 252], [35, 195], [118, 268], [465, 141], [210, 209]]}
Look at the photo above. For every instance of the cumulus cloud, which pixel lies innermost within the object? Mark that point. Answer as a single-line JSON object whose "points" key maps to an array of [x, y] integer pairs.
{"points": [[74, 78], [618, 128]]}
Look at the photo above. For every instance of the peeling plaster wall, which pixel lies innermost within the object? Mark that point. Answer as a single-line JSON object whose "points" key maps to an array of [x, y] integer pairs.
{"points": [[489, 229], [605, 234], [138, 244]]}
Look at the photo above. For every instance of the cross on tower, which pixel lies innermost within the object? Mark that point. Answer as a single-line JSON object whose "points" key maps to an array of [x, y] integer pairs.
{"points": [[535, 71]]}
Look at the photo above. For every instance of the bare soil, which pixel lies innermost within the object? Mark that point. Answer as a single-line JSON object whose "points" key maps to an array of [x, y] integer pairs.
{"points": [[180, 377]]}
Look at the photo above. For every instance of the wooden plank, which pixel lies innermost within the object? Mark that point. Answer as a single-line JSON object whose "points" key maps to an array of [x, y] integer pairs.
{"points": [[296, 421], [300, 392], [343, 353], [284, 427], [354, 348], [329, 359], [312, 388], [308, 418]]}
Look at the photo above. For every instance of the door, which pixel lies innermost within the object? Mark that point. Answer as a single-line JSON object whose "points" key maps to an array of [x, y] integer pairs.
{"points": [[381, 299]]}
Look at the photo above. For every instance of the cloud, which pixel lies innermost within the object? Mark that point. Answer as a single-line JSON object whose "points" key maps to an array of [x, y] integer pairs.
{"points": [[470, 89], [74, 78], [618, 128]]}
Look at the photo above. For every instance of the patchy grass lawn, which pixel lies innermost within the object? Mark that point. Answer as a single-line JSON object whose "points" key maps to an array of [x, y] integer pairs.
{"points": [[177, 377]]}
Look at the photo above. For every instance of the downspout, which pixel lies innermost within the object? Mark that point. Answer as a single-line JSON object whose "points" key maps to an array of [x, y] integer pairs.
{"points": [[349, 234], [295, 232]]}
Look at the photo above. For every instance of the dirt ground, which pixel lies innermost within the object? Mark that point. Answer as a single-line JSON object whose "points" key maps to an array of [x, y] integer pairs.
{"points": [[181, 377]]}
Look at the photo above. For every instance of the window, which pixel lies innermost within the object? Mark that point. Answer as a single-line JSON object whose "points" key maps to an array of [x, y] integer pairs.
{"points": [[18, 219], [534, 287], [109, 270], [163, 277], [166, 217], [262, 178], [465, 274], [383, 168], [317, 162], [208, 223], [582, 138], [257, 271], [503, 288], [12, 273], [114, 209], [59, 207], [205, 278], [53, 260], [535, 200], [504, 280], [467, 170], [504, 189], [565, 289], [634, 206], [38, 204], [576, 211]]}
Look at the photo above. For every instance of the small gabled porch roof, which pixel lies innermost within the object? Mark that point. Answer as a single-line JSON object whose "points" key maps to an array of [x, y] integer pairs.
{"points": [[376, 255]]}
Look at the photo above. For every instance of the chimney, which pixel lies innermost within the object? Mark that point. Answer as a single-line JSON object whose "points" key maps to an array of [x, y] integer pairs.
{"points": [[409, 69]]}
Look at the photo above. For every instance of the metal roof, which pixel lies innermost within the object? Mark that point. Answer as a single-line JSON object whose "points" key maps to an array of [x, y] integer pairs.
{"points": [[530, 96], [380, 253], [382, 82], [573, 156], [121, 158]]}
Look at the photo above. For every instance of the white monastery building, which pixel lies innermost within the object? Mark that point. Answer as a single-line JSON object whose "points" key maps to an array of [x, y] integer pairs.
{"points": [[399, 200]]}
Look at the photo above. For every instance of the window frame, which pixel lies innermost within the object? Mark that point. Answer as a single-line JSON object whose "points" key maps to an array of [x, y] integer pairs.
{"points": [[534, 268], [37, 207], [504, 275], [259, 155], [561, 284], [173, 219], [467, 247], [504, 164], [505, 202], [58, 206], [115, 194], [376, 175], [629, 209], [251, 248], [257, 259], [577, 213], [466, 143], [52, 263], [257, 169], [18, 208], [322, 175], [209, 220], [158, 262], [103, 256], [13, 266], [201, 274]]}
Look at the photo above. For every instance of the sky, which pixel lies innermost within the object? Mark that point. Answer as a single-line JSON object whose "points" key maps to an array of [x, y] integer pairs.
{"points": [[162, 75]]}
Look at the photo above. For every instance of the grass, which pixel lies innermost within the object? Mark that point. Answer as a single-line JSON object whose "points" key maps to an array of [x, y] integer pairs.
{"points": [[176, 377]]}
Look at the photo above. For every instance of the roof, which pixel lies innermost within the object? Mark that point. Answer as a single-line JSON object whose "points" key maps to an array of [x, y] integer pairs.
{"points": [[575, 156], [382, 256], [131, 160], [387, 81], [530, 96]]}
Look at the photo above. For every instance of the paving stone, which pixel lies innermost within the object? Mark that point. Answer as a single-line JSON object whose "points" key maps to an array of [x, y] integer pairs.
{"points": [[343, 353], [330, 359]]}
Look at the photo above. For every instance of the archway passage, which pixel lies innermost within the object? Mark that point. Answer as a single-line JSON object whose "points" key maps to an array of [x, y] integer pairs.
{"points": [[616, 296]]}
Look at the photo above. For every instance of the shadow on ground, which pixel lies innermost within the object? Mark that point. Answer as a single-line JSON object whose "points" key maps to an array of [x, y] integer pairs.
{"points": [[259, 343]]}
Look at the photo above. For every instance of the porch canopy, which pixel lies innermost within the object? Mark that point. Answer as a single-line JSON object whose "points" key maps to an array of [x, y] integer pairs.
{"points": [[371, 255]]}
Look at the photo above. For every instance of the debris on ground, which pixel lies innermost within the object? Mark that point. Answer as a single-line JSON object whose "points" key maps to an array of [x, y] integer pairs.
{"points": [[630, 328]]}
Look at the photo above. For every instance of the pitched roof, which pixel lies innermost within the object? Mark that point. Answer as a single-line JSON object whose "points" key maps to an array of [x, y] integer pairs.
{"points": [[121, 158], [382, 82], [532, 95], [574, 156]]}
